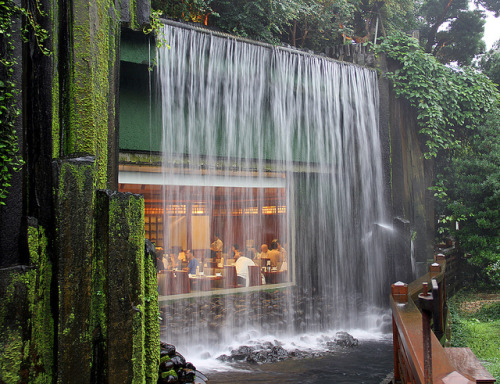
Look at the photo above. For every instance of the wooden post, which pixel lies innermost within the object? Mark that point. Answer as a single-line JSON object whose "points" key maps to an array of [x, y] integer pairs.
{"points": [[399, 293], [437, 311], [395, 349], [425, 300], [434, 269]]}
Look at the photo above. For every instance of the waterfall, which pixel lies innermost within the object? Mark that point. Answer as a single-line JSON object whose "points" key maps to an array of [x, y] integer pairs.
{"points": [[250, 129]]}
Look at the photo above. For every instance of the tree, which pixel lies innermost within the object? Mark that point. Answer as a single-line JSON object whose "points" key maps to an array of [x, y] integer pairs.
{"points": [[263, 20], [381, 18], [196, 11], [490, 63], [462, 40], [472, 197], [452, 32], [321, 23]]}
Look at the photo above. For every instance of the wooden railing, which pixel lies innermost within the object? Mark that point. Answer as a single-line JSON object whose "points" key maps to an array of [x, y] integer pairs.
{"points": [[419, 318]]}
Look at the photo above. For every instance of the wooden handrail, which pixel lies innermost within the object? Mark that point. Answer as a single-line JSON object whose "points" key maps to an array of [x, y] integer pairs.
{"points": [[419, 357]]}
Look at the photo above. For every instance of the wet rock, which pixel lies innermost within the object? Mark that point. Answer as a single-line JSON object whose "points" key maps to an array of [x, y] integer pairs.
{"points": [[345, 340], [242, 353], [166, 366], [223, 358], [186, 376], [179, 361], [167, 349], [173, 367]]}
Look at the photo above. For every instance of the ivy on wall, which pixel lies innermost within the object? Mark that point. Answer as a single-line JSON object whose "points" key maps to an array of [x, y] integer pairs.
{"points": [[10, 159], [450, 102], [458, 112]]}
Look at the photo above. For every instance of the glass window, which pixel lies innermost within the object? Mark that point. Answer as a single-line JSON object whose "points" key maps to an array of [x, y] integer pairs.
{"points": [[213, 238]]}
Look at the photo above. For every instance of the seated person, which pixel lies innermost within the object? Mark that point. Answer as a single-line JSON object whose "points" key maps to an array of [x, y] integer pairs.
{"points": [[275, 255], [241, 264], [262, 256], [192, 263], [159, 263], [216, 247], [173, 262]]}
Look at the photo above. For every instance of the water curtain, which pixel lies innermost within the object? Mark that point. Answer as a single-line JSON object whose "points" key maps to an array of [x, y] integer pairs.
{"points": [[249, 127]]}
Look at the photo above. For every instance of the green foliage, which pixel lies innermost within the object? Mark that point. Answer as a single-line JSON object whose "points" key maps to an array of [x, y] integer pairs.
{"points": [[450, 31], [457, 113], [188, 10], [154, 27], [462, 40], [264, 20], [383, 18], [473, 195], [10, 158], [10, 161], [490, 63], [449, 102], [479, 330]]}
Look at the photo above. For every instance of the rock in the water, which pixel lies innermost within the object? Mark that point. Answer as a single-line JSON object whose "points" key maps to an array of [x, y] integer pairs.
{"points": [[345, 340], [167, 349]]}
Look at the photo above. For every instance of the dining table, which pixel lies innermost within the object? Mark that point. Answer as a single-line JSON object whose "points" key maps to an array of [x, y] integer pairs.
{"points": [[275, 277], [205, 282]]}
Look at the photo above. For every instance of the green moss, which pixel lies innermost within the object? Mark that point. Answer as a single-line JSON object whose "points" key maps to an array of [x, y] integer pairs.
{"points": [[131, 208], [166, 374], [133, 15], [164, 359], [25, 343], [56, 133], [152, 340], [39, 296], [91, 103], [11, 356]]}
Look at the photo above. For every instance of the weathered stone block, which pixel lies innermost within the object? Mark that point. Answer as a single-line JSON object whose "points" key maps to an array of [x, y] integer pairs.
{"points": [[74, 213], [14, 317], [121, 230]]}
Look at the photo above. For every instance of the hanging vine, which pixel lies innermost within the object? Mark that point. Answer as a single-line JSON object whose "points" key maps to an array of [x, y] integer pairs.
{"points": [[10, 159], [450, 102]]}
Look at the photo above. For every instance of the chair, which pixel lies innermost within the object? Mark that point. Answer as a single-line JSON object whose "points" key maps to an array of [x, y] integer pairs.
{"points": [[181, 283], [165, 283], [230, 280], [254, 276]]}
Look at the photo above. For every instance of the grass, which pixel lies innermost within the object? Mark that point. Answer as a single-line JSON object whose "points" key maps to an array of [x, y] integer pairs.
{"points": [[475, 323]]}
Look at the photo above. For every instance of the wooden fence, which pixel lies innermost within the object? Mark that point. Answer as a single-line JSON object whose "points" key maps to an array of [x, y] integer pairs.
{"points": [[419, 318]]}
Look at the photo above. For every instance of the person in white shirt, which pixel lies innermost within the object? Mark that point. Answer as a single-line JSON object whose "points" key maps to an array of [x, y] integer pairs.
{"points": [[241, 263]]}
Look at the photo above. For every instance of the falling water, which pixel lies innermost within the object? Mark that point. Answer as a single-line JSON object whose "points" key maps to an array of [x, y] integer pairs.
{"points": [[275, 127]]}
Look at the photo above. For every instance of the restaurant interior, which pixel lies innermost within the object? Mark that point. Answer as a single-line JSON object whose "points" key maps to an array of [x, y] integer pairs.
{"points": [[184, 219]]}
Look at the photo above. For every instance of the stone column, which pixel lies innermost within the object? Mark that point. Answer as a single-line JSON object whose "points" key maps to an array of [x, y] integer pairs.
{"points": [[74, 247]]}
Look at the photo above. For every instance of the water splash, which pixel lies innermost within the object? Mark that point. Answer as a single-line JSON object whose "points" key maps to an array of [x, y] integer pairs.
{"points": [[237, 116]]}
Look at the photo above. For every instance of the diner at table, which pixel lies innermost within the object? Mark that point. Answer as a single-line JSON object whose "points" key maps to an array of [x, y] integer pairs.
{"points": [[206, 273], [241, 263]]}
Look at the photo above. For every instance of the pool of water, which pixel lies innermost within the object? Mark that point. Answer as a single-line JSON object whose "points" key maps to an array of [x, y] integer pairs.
{"points": [[368, 363]]}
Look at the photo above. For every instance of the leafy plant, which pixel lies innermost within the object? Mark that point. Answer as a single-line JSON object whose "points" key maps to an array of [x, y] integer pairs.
{"points": [[196, 11], [490, 63], [10, 158], [450, 102], [473, 194]]}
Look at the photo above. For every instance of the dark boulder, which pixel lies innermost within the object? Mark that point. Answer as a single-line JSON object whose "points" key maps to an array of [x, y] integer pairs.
{"points": [[345, 340]]}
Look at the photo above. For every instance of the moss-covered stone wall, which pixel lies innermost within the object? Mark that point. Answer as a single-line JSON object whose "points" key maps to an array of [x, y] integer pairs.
{"points": [[26, 319], [83, 295]]}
